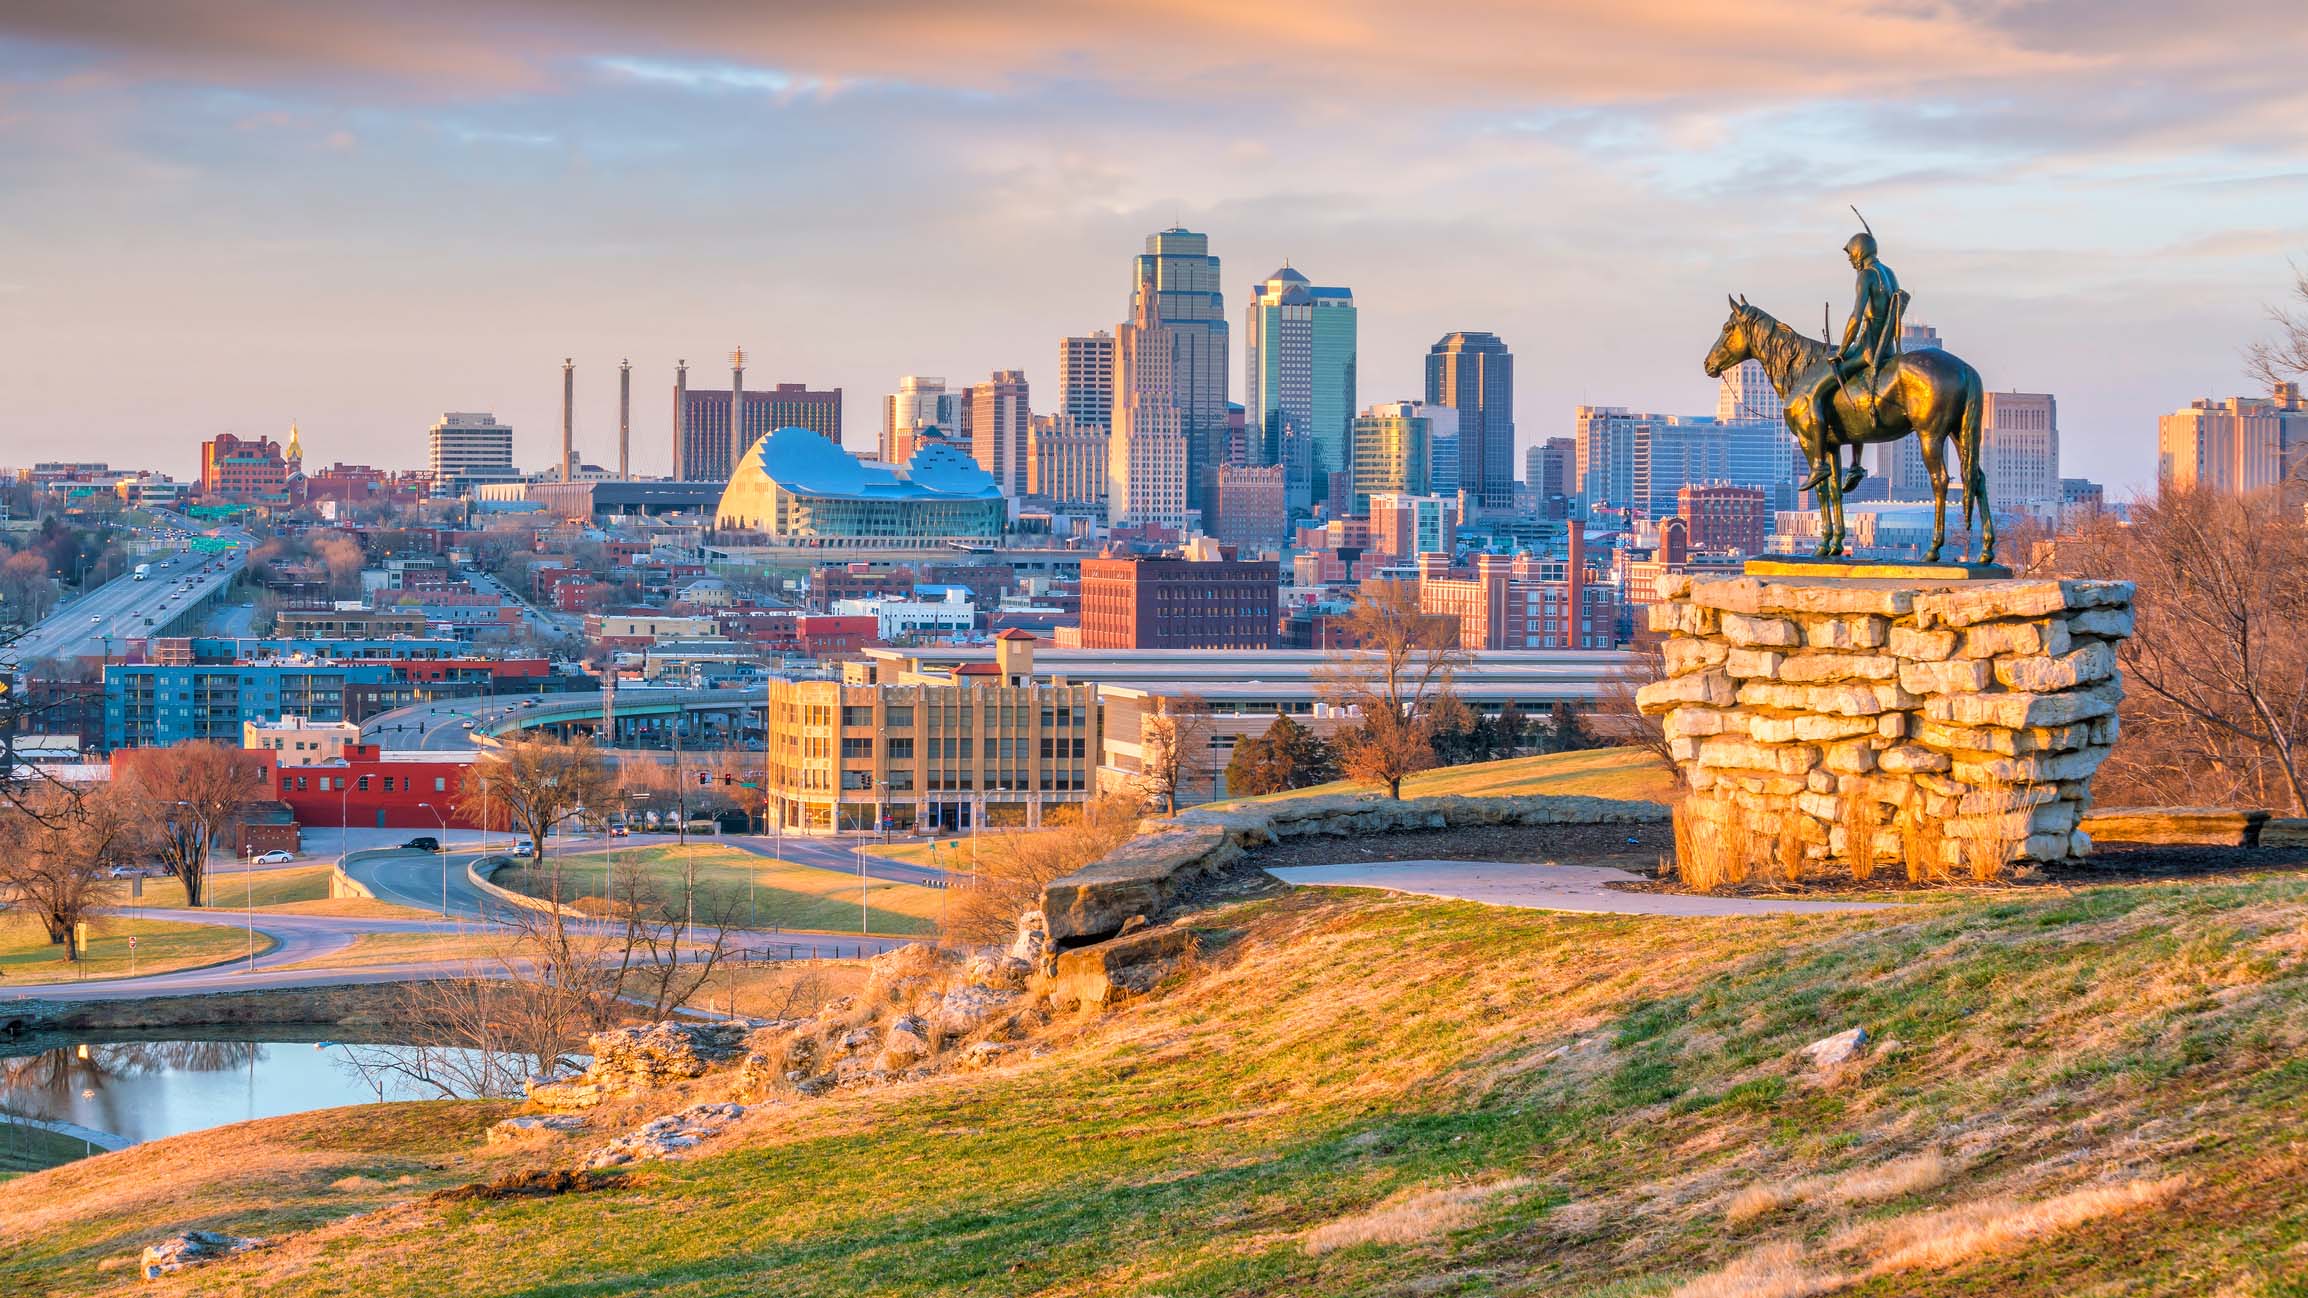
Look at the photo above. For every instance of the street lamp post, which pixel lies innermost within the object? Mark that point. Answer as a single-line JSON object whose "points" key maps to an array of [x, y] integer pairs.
{"points": [[248, 902], [444, 856]]}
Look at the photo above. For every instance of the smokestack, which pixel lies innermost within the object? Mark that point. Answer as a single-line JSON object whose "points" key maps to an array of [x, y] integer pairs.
{"points": [[625, 421], [680, 419], [568, 420], [737, 442]]}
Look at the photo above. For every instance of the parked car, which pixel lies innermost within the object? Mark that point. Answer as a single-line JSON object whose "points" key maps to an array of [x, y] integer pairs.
{"points": [[274, 857], [526, 847], [423, 843]]}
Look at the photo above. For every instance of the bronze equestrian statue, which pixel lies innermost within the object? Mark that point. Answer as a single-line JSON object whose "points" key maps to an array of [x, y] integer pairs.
{"points": [[1867, 391]]}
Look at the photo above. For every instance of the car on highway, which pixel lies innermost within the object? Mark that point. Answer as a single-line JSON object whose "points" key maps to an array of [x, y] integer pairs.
{"points": [[274, 857], [466, 724], [526, 847], [423, 843]]}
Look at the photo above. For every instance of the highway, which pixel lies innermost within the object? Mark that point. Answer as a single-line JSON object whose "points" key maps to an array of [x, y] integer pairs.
{"points": [[103, 621]]}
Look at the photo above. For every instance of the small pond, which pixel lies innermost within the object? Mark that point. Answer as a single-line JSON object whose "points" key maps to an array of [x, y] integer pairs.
{"points": [[144, 1089]]}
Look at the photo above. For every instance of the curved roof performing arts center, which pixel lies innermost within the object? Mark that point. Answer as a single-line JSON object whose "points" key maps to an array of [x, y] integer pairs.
{"points": [[794, 484]]}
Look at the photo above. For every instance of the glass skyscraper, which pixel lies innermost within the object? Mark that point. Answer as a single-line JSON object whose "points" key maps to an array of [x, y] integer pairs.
{"points": [[1182, 278], [1474, 374], [1299, 381]]}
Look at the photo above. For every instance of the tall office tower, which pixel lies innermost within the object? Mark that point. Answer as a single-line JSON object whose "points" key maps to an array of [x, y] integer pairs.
{"points": [[1746, 396], [2021, 433], [1442, 474], [1178, 270], [1146, 459], [1298, 367], [468, 447], [2236, 445], [568, 420], [994, 424], [1474, 373], [1086, 380], [680, 427], [921, 402], [1066, 460], [712, 428], [1391, 452], [625, 421]]}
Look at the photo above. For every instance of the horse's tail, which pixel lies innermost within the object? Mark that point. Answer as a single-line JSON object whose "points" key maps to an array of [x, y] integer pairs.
{"points": [[1970, 444]]}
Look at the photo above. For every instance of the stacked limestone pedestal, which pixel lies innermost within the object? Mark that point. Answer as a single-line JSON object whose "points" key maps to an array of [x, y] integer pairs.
{"points": [[1963, 709]]}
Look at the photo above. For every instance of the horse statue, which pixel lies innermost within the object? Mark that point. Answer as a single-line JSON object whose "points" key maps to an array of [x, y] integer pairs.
{"points": [[1928, 393]]}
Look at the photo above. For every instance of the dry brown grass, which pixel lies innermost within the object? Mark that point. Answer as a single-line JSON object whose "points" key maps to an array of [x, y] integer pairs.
{"points": [[1861, 818], [1950, 1237], [1411, 1217], [1778, 1270], [1713, 853], [1900, 1176]]}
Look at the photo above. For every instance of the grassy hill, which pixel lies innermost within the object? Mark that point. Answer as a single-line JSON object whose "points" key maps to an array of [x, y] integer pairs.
{"points": [[2094, 1091]]}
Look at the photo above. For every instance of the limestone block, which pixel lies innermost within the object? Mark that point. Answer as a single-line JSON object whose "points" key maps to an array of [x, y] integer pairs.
{"points": [[2032, 769], [2016, 711], [2014, 639], [1751, 664], [1685, 656], [2044, 847], [1818, 782], [1693, 721], [1820, 806], [1746, 755], [1808, 729], [2094, 662], [2284, 832], [2107, 729], [1922, 646], [1952, 676], [1663, 617], [1802, 595], [1987, 601], [1710, 688], [1908, 759], [2053, 818], [1862, 631], [1836, 700], [1982, 802], [1851, 758], [2009, 743], [1814, 667], [1891, 725], [1770, 632], [1674, 585], [1729, 594], [2114, 623], [2079, 844], [2206, 826], [1682, 749]]}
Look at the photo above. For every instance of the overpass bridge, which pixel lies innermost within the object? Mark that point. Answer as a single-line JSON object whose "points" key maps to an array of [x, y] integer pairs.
{"points": [[640, 718]]}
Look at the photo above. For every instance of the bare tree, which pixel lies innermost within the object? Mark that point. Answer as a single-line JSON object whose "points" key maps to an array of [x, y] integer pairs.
{"points": [[60, 849], [535, 784], [2285, 357], [1618, 720], [2216, 673], [1174, 747], [1013, 866], [1401, 666], [191, 795]]}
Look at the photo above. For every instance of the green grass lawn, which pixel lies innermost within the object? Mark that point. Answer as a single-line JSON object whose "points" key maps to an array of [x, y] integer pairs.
{"points": [[1459, 1099], [32, 1149], [1594, 772], [784, 894], [26, 955], [295, 890]]}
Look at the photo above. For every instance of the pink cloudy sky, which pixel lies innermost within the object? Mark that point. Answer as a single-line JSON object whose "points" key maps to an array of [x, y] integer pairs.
{"points": [[222, 216]]}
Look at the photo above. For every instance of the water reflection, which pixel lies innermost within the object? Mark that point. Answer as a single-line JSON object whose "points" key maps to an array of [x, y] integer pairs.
{"points": [[143, 1090]]}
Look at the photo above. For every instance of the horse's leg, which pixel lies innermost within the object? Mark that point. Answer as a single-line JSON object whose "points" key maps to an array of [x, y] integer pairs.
{"points": [[1935, 465], [1831, 509]]}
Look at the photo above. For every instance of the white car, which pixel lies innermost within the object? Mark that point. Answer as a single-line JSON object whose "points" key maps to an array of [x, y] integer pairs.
{"points": [[274, 857]]}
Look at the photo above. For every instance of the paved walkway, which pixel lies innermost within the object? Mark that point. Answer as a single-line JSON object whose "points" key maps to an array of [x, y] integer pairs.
{"points": [[1542, 887]]}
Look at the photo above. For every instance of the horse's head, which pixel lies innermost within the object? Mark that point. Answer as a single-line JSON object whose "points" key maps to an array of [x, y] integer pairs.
{"points": [[1734, 344]]}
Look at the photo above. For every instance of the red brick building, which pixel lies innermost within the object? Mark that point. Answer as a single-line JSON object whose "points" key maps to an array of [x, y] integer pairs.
{"points": [[1179, 603], [373, 790], [1510, 603], [1724, 517], [242, 469]]}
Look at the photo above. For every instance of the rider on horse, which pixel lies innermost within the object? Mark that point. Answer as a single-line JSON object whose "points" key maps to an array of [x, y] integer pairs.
{"points": [[1870, 345]]}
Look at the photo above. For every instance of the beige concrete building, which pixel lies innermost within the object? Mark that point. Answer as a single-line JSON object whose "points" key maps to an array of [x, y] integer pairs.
{"points": [[1066, 460], [912, 743], [296, 741], [2020, 432], [2236, 445]]}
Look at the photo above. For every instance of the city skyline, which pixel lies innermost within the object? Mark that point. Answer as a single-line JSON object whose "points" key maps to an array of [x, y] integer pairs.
{"points": [[2096, 216]]}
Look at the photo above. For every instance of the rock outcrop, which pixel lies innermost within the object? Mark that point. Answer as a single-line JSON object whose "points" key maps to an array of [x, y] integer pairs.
{"points": [[532, 1127], [2201, 826], [1867, 720], [192, 1248], [1093, 977], [642, 1058], [667, 1137]]}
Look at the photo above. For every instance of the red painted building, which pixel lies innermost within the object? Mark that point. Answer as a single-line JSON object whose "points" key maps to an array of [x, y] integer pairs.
{"points": [[1179, 603], [1723, 517], [234, 468], [372, 790], [830, 634]]}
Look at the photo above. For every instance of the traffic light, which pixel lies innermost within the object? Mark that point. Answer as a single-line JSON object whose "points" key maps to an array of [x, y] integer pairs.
{"points": [[704, 778]]}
